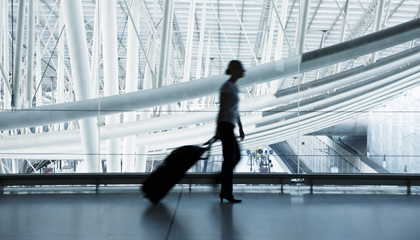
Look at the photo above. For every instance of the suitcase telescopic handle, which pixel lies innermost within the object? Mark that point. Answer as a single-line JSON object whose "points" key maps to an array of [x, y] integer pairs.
{"points": [[210, 142], [207, 149]]}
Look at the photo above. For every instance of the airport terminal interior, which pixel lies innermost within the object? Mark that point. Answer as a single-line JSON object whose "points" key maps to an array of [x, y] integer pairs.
{"points": [[108, 89]]}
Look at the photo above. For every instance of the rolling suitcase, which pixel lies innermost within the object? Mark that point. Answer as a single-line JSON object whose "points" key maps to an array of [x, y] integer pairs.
{"points": [[173, 170]]}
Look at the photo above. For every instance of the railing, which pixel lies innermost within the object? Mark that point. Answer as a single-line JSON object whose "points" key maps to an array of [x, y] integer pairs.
{"points": [[8, 180]]}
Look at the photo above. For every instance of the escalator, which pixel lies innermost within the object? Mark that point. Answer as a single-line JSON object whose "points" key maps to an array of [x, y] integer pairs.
{"points": [[289, 157]]}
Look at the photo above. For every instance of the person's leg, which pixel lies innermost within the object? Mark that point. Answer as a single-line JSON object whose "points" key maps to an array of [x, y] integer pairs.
{"points": [[228, 142], [237, 153]]}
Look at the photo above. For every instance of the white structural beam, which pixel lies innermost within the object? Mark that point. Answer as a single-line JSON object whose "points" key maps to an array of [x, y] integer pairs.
{"points": [[189, 44], [129, 145], [342, 31], [168, 11], [7, 96], [201, 41], [281, 31], [30, 55], [302, 26], [111, 88], [96, 52], [188, 48], [383, 84], [378, 23], [79, 60], [206, 86], [312, 121], [17, 70]]}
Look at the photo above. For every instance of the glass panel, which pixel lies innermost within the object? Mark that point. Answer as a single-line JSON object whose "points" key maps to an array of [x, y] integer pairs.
{"points": [[357, 117]]}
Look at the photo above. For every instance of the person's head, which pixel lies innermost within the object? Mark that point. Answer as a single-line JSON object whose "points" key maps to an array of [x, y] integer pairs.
{"points": [[235, 69]]}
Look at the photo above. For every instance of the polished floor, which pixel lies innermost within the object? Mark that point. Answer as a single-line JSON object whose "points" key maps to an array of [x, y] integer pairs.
{"points": [[362, 213]]}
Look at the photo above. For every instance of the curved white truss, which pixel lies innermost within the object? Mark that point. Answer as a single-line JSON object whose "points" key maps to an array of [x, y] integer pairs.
{"points": [[367, 88]]}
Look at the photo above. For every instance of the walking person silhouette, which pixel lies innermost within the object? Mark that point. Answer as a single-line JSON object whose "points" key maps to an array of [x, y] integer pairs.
{"points": [[227, 119]]}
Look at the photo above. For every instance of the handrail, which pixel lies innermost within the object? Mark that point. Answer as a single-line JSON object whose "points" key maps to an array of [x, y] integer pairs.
{"points": [[98, 179]]}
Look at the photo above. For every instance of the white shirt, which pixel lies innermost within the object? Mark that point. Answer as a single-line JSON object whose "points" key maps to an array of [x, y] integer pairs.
{"points": [[229, 112]]}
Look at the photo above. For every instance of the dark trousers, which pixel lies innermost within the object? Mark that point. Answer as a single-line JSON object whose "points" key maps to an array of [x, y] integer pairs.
{"points": [[231, 157]]}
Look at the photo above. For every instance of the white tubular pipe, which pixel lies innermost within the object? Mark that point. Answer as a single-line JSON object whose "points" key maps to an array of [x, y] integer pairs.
{"points": [[96, 50], [143, 99], [349, 77], [342, 31], [7, 95], [203, 87], [271, 34], [30, 56], [61, 67], [17, 71], [38, 73], [141, 158], [312, 120], [165, 42], [129, 144], [263, 135], [201, 43], [355, 126], [302, 25], [285, 131], [2, 73], [188, 48], [246, 105], [198, 134], [79, 59], [377, 23], [110, 62], [280, 34]]}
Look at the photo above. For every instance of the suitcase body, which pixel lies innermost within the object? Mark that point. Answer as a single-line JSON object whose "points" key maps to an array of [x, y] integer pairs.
{"points": [[172, 170]]}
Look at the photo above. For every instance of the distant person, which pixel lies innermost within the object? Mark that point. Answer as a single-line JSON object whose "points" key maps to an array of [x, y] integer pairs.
{"points": [[226, 121]]}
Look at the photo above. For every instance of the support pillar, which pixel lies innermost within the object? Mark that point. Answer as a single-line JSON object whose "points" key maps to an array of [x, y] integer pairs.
{"points": [[96, 46], [129, 143], [61, 67], [7, 97], [302, 26], [200, 49], [280, 37], [165, 43], [30, 56], [188, 49], [141, 158], [377, 23], [6, 67], [79, 60], [321, 45], [38, 70], [111, 86], [342, 32], [17, 70]]}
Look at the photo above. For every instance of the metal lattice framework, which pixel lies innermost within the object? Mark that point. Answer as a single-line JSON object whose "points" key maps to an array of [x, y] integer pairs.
{"points": [[203, 37]]}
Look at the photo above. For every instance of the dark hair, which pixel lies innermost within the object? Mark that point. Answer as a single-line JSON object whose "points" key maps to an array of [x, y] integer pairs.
{"points": [[232, 65]]}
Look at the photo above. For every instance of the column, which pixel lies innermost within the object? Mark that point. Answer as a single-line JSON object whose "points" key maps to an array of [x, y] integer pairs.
{"points": [[129, 143], [111, 86], [18, 57], [80, 68]]}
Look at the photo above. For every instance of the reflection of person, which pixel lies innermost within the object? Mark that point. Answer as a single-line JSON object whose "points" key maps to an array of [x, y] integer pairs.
{"points": [[227, 119]]}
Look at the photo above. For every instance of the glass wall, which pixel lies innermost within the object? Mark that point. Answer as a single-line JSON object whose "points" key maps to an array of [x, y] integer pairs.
{"points": [[116, 87]]}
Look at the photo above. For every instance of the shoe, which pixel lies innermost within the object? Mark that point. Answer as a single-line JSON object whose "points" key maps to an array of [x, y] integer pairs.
{"points": [[231, 199]]}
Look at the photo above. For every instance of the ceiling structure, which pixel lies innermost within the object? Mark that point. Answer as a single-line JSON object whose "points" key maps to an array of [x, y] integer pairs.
{"points": [[249, 31], [237, 29]]}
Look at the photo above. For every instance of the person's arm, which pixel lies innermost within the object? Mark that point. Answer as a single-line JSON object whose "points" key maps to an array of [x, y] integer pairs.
{"points": [[241, 130], [223, 97]]}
